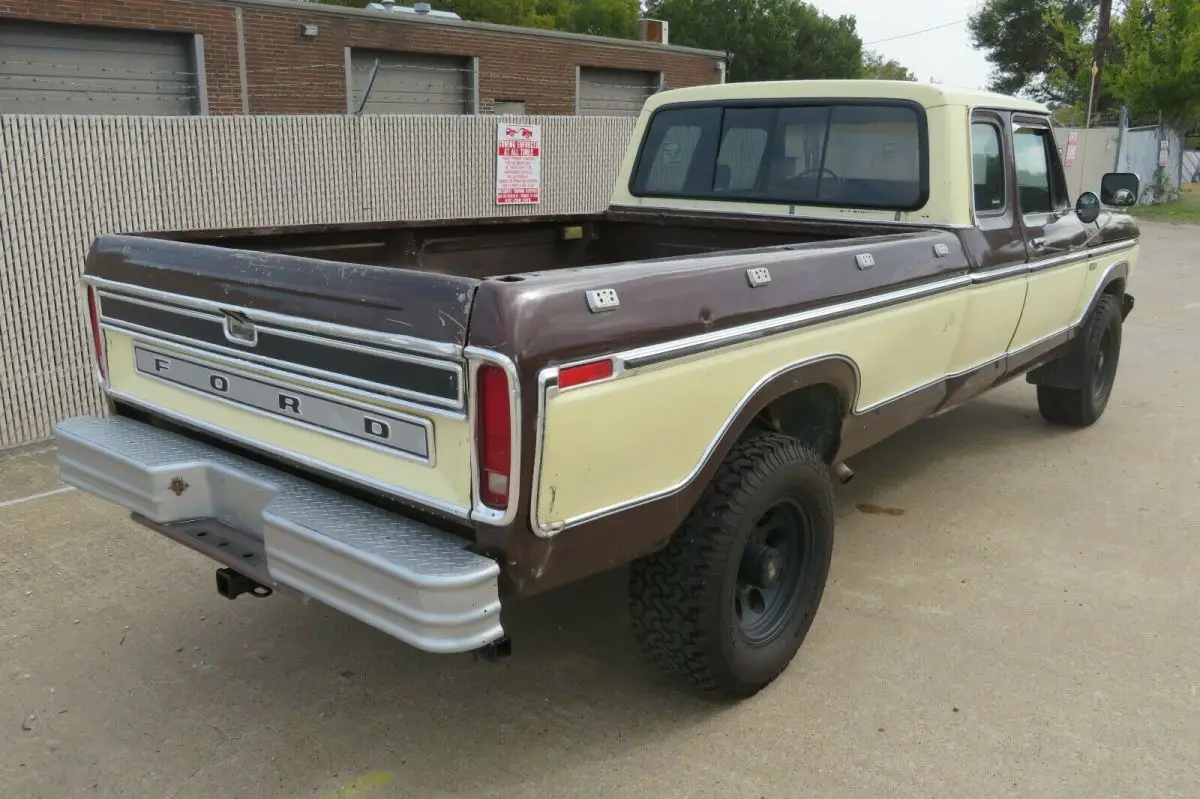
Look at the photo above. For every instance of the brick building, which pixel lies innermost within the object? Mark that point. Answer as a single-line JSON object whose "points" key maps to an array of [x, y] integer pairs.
{"points": [[284, 57]]}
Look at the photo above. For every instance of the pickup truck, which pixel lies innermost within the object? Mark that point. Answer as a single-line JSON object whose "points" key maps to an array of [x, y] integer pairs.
{"points": [[385, 419]]}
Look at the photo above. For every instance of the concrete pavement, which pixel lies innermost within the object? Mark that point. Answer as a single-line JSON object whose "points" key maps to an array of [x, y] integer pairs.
{"points": [[1011, 612]]}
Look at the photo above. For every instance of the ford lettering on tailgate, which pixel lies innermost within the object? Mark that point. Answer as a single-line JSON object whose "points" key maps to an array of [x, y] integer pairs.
{"points": [[406, 435]]}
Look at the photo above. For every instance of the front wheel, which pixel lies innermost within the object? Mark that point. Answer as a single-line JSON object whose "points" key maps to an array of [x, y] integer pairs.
{"points": [[1101, 350], [730, 599]]}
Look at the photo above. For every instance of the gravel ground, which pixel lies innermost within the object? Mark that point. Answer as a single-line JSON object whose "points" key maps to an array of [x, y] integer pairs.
{"points": [[1011, 612]]}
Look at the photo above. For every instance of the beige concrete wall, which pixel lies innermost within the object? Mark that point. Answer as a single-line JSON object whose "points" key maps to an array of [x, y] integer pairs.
{"points": [[66, 180], [1095, 156]]}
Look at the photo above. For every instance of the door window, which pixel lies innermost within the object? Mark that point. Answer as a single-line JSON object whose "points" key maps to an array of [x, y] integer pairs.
{"points": [[1037, 174]]}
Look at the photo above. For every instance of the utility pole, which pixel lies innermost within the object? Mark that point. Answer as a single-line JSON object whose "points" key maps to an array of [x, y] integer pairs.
{"points": [[1098, 52]]}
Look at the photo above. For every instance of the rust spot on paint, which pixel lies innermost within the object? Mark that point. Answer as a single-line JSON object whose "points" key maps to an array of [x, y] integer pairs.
{"points": [[178, 486], [880, 510]]}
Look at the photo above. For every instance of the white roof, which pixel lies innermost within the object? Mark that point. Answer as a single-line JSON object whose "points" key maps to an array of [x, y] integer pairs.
{"points": [[929, 95]]}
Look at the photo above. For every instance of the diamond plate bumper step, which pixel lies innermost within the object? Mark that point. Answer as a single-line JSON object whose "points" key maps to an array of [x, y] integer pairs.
{"points": [[409, 579]]}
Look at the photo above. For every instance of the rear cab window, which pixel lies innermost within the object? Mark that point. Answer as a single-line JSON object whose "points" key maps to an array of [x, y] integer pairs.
{"points": [[870, 155], [987, 168]]}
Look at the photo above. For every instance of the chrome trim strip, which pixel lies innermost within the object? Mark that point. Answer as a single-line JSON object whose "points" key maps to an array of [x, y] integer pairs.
{"points": [[476, 357], [992, 275], [430, 461], [301, 380], [679, 348], [297, 459], [99, 359], [247, 355], [546, 378], [220, 318], [1051, 262], [1060, 259], [549, 375], [393, 340]]}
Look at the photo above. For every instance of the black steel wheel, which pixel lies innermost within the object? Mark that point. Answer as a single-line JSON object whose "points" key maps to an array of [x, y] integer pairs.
{"points": [[730, 599]]}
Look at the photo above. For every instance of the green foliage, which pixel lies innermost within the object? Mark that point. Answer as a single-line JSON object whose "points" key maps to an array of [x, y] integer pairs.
{"points": [[873, 66], [1032, 45], [1186, 208], [1160, 73], [525, 13], [616, 18], [769, 39]]}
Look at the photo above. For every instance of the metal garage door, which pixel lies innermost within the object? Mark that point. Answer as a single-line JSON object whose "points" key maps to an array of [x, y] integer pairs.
{"points": [[69, 69], [410, 83], [614, 92]]}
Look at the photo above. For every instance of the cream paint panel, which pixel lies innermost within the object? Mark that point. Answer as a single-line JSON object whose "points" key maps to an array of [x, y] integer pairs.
{"points": [[992, 313], [613, 442], [1050, 303], [449, 481], [1095, 275]]}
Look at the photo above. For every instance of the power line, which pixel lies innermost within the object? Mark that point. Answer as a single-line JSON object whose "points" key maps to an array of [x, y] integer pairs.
{"points": [[918, 33]]}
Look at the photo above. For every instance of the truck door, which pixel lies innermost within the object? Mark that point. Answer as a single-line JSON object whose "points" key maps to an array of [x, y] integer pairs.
{"points": [[997, 293], [1053, 235]]}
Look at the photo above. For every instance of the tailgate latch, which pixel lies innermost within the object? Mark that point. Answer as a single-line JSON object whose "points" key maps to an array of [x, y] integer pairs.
{"points": [[239, 329]]}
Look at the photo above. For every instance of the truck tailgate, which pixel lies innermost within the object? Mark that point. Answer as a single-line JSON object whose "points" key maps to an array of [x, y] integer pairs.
{"points": [[355, 371]]}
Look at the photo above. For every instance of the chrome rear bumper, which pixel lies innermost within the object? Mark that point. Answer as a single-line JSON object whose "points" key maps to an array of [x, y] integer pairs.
{"points": [[409, 579]]}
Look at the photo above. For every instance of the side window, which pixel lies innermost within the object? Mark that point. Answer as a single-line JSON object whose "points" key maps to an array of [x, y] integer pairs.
{"points": [[670, 167], [743, 144], [987, 166], [677, 156], [1036, 180]]}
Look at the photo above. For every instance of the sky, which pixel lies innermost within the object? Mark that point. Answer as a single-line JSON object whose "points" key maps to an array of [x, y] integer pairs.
{"points": [[944, 55]]}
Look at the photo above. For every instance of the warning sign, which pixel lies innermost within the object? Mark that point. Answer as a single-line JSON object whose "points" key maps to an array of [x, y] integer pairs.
{"points": [[518, 164], [1072, 146]]}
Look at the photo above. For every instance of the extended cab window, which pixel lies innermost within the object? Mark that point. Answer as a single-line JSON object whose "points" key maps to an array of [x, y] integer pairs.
{"points": [[987, 167], [1037, 176], [852, 155]]}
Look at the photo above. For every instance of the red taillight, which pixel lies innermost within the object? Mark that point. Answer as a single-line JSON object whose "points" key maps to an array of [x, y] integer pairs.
{"points": [[97, 342], [494, 436], [584, 373]]}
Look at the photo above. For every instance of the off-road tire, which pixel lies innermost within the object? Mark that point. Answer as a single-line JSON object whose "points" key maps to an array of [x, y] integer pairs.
{"points": [[1097, 365], [682, 597]]}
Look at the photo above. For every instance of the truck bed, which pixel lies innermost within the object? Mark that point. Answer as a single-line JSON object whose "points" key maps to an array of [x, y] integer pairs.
{"points": [[485, 248]]}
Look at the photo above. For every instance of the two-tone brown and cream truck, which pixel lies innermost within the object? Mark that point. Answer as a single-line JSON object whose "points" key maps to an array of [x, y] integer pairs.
{"points": [[377, 417]]}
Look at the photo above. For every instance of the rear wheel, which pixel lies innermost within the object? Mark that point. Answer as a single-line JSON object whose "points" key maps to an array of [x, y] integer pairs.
{"points": [[730, 599], [1097, 371]]}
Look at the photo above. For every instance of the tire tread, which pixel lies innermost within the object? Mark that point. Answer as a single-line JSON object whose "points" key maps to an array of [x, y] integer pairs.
{"points": [[670, 616]]}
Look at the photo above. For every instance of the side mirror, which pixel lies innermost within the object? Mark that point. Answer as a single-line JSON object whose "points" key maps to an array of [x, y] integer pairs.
{"points": [[1119, 189], [1087, 207]]}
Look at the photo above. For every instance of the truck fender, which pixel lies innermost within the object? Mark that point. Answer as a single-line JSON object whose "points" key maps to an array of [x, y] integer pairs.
{"points": [[784, 401]]}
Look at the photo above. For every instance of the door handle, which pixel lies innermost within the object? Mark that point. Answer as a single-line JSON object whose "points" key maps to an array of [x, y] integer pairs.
{"points": [[1038, 244]]}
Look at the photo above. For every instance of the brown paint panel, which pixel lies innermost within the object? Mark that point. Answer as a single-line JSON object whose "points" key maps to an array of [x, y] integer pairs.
{"points": [[429, 307]]}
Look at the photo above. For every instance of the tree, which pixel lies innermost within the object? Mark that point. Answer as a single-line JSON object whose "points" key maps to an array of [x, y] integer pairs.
{"points": [[525, 13], [873, 66], [1030, 46], [769, 39], [1160, 68], [616, 18]]}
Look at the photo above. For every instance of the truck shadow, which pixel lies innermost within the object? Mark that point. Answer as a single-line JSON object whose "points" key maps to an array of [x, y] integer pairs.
{"points": [[575, 692]]}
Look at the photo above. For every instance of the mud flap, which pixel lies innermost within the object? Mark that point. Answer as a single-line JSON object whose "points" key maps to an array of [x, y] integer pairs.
{"points": [[1067, 371]]}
